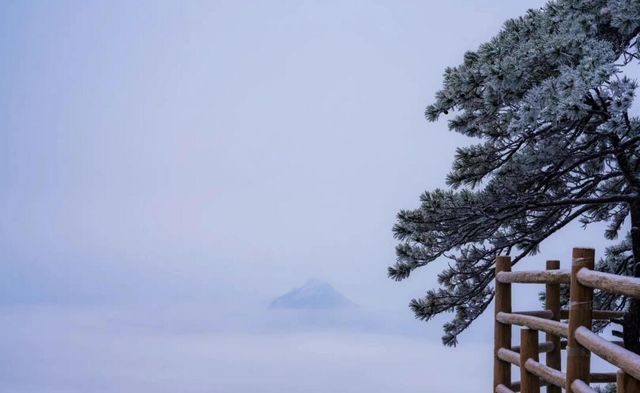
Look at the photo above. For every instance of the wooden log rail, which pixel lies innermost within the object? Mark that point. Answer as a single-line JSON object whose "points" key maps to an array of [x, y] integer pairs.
{"points": [[516, 385], [537, 277], [545, 325], [621, 285], [628, 361], [595, 378], [546, 373], [597, 314], [544, 347], [564, 314], [581, 341], [603, 377], [579, 386], [503, 389]]}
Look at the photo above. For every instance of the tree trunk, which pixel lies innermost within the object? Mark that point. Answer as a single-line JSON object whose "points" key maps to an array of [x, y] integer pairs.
{"points": [[632, 318]]}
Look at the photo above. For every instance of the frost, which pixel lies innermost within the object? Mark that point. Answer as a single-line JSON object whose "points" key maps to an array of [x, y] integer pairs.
{"points": [[549, 100]]}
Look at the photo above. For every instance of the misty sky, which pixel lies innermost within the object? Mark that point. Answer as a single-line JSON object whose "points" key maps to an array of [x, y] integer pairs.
{"points": [[168, 168]]}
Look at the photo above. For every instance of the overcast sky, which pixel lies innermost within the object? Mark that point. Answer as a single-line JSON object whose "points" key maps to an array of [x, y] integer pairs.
{"points": [[183, 158]]}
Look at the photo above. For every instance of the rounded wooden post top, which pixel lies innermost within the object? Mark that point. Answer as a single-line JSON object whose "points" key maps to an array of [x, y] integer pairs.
{"points": [[553, 264], [583, 257], [503, 263]]}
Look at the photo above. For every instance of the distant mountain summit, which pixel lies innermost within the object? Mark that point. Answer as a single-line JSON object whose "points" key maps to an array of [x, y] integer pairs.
{"points": [[314, 294]]}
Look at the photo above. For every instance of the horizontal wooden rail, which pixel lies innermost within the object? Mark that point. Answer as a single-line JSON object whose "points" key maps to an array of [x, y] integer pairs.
{"points": [[621, 285], [595, 378], [573, 326], [597, 314], [626, 360], [563, 343], [535, 277], [503, 389], [607, 314], [546, 314], [545, 325], [509, 356], [516, 386], [546, 373], [603, 378], [578, 386], [544, 347]]}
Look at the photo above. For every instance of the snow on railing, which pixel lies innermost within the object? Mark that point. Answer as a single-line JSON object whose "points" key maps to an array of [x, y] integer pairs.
{"points": [[581, 341]]}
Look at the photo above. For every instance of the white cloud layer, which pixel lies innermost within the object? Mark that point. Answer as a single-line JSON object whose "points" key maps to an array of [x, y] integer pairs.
{"points": [[60, 349]]}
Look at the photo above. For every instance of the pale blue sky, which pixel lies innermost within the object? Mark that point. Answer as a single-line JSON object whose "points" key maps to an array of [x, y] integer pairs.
{"points": [[184, 158], [179, 147]]}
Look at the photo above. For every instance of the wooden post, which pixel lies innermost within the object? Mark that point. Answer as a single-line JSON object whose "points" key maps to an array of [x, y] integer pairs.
{"points": [[625, 383], [580, 314], [529, 383], [502, 332], [552, 303]]}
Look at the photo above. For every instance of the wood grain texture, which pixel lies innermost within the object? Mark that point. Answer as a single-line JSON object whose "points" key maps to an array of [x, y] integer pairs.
{"points": [[580, 316], [603, 377], [509, 356], [503, 389], [546, 314], [535, 277], [529, 382], [597, 314], [581, 341], [515, 386], [553, 358], [552, 376], [579, 386], [542, 347], [625, 383], [545, 325], [626, 360], [621, 285], [502, 331]]}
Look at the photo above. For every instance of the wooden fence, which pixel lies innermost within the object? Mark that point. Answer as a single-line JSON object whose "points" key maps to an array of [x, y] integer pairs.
{"points": [[574, 336]]}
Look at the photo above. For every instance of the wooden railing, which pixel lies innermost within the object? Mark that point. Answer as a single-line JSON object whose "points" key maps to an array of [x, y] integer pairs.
{"points": [[580, 341]]}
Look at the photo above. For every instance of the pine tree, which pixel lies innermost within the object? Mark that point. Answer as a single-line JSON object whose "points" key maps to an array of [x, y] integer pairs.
{"points": [[550, 103]]}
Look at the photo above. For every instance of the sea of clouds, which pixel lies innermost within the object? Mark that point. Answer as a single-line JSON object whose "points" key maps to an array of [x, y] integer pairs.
{"points": [[204, 348]]}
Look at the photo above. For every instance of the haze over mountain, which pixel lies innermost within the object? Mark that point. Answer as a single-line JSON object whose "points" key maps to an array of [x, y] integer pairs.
{"points": [[169, 168], [314, 294]]}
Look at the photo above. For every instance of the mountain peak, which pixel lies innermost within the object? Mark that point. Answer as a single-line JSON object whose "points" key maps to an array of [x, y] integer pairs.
{"points": [[314, 294]]}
